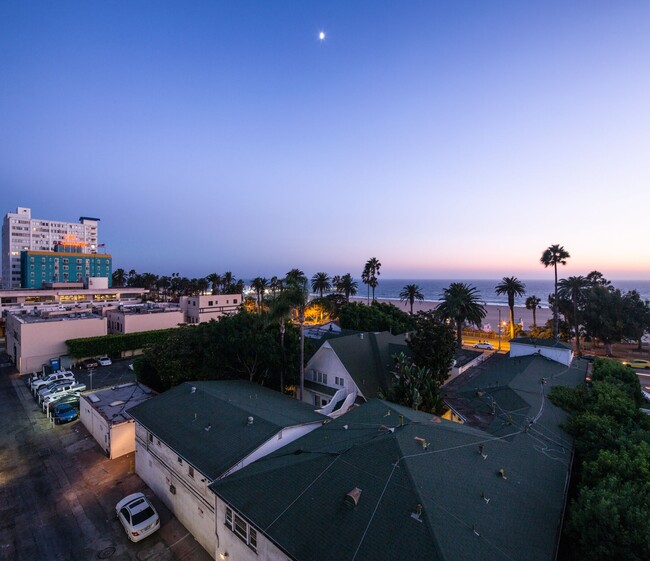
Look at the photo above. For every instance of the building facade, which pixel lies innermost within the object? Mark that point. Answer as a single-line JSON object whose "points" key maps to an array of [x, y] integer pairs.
{"points": [[36, 337], [21, 232], [199, 309], [146, 317], [60, 266]]}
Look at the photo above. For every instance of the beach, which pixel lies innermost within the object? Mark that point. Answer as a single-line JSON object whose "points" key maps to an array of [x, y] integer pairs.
{"points": [[491, 319]]}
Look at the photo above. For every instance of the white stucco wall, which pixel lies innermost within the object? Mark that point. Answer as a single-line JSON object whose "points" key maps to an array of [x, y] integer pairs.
{"points": [[134, 322], [563, 356], [327, 361], [96, 424], [192, 503]]}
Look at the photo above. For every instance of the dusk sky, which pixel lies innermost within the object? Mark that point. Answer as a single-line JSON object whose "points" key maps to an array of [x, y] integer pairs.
{"points": [[448, 139]]}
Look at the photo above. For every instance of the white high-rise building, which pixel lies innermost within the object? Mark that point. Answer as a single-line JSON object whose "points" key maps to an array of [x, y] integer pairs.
{"points": [[22, 232]]}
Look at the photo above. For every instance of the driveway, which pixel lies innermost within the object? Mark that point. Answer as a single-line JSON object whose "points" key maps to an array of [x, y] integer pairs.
{"points": [[58, 492]]}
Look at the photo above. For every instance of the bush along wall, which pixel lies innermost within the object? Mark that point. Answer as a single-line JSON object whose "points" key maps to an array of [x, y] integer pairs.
{"points": [[116, 344]]}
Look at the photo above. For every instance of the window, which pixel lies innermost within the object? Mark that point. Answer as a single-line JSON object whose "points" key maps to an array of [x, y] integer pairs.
{"points": [[210, 302], [234, 301], [150, 437], [339, 381], [180, 460], [190, 471], [320, 377], [241, 529]]}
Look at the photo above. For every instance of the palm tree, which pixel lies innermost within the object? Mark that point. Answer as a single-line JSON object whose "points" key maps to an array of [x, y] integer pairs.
{"points": [[295, 275], [573, 289], [410, 293], [280, 311], [552, 256], [531, 304], [259, 285], [511, 286], [347, 286], [320, 283], [227, 281], [216, 280], [370, 274], [297, 295], [461, 302], [119, 277]]}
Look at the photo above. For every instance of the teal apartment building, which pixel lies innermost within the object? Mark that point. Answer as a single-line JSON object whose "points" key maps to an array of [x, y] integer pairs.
{"points": [[38, 267]]}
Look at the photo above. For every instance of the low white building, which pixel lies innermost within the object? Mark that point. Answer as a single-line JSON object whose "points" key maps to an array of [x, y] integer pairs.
{"points": [[34, 338], [199, 432], [553, 350], [199, 309], [105, 414]]}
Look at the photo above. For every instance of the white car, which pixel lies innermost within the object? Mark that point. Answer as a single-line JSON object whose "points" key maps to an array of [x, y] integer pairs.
{"points": [[488, 346], [40, 383], [104, 361], [138, 516]]}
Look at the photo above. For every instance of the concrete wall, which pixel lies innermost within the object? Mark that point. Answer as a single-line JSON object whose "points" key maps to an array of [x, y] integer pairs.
{"points": [[563, 356], [191, 502], [96, 424], [32, 344], [128, 322], [199, 309]]}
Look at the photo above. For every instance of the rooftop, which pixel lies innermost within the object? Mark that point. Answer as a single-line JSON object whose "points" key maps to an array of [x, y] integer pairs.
{"points": [[31, 317], [429, 489], [113, 403], [551, 343], [207, 423]]}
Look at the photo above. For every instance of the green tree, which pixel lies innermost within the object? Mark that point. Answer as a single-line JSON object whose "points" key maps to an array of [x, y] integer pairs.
{"points": [[511, 286], [347, 286], [553, 256], [603, 315], [370, 274], [259, 285], [119, 277], [215, 279], [573, 289], [531, 304], [636, 312], [433, 345], [295, 276], [461, 303], [410, 293], [379, 316], [413, 386], [320, 283], [296, 293]]}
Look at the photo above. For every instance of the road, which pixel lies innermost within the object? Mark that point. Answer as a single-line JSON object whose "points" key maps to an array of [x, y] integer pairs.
{"points": [[58, 491]]}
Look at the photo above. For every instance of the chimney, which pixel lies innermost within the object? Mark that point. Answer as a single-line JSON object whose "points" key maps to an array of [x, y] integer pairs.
{"points": [[352, 498]]}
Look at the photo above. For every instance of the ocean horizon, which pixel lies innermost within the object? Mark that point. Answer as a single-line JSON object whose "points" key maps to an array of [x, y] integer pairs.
{"points": [[432, 289]]}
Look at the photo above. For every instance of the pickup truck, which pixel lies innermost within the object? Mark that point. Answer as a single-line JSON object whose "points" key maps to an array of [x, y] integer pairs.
{"points": [[68, 389], [39, 383]]}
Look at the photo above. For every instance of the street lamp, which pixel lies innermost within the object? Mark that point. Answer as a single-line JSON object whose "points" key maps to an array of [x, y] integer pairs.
{"points": [[499, 327]]}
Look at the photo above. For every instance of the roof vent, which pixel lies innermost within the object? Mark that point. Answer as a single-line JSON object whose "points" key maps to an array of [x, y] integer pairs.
{"points": [[387, 429], [116, 403], [352, 498], [360, 335], [502, 473], [207, 427], [417, 515], [345, 427], [481, 451], [193, 389], [249, 421]]}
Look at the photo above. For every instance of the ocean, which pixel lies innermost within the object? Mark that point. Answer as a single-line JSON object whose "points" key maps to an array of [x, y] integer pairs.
{"points": [[432, 289]]}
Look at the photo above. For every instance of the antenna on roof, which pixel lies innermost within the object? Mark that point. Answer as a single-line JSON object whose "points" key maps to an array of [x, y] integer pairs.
{"points": [[481, 451], [486, 499]]}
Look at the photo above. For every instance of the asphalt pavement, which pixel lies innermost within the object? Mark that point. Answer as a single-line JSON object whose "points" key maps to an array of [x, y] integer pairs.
{"points": [[58, 491]]}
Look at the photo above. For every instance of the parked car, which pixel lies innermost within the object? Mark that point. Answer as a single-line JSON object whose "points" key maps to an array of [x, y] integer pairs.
{"points": [[64, 413], [138, 516], [646, 393], [39, 383], [67, 399], [49, 387], [89, 363], [75, 388], [104, 361], [488, 346], [637, 363], [588, 358]]}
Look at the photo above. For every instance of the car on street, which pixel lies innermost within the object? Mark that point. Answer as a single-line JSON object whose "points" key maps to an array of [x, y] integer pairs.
{"points": [[637, 363], [64, 413], [484, 345], [104, 361], [89, 363], [138, 516]]}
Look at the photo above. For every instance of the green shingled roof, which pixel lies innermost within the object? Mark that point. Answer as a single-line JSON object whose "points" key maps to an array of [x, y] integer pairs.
{"points": [[297, 495], [541, 342], [209, 427], [368, 358]]}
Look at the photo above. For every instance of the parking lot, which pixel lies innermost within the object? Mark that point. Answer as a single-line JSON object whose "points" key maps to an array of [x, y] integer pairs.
{"points": [[58, 491]]}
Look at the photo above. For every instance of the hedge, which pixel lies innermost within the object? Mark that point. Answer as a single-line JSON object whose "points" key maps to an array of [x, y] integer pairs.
{"points": [[116, 343]]}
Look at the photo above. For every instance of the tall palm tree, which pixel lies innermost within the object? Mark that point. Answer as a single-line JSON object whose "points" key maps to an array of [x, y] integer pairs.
{"points": [[370, 274], [461, 302], [216, 280], [119, 277], [347, 286], [227, 281], [297, 294], [259, 285], [531, 304], [295, 275], [320, 283], [573, 288], [511, 286], [410, 293], [554, 255], [280, 309]]}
